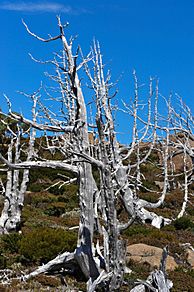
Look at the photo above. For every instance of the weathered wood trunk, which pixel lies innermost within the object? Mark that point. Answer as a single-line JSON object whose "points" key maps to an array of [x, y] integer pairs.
{"points": [[14, 192], [116, 251], [84, 254]]}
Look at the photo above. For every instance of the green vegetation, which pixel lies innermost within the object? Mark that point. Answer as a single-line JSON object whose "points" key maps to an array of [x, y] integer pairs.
{"points": [[42, 244], [49, 211], [183, 280], [39, 245], [183, 223]]}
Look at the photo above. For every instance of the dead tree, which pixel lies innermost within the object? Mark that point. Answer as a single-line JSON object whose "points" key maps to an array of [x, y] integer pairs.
{"points": [[101, 261], [17, 180], [13, 194], [182, 145]]}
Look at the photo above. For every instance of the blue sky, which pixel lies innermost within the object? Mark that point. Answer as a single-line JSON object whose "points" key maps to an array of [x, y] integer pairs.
{"points": [[156, 37]]}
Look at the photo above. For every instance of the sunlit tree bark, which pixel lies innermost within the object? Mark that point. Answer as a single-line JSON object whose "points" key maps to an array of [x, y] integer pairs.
{"points": [[17, 180]]}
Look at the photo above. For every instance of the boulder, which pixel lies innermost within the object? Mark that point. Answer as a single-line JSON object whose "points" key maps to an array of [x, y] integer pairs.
{"points": [[143, 253], [190, 258], [190, 254]]}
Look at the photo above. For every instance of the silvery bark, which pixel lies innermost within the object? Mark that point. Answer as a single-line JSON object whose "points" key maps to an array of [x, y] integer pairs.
{"points": [[17, 180], [14, 191]]}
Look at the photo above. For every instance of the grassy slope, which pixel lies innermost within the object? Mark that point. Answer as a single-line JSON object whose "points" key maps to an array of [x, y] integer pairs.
{"points": [[48, 214]]}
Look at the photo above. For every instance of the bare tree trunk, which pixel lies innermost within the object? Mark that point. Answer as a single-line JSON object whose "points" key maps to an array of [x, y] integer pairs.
{"points": [[17, 180], [14, 197]]}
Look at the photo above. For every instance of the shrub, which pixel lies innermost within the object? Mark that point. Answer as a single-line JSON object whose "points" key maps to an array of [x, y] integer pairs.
{"points": [[182, 281], [70, 197], [43, 244], [55, 209], [55, 190], [70, 190], [153, 157], [2, 263], [138, 229], [36, 187], [48, 281], [46, 175], [183, 223], [190, 211], [28, 213], [39, 199], [148, 185], [11, 242], [150, 197]]}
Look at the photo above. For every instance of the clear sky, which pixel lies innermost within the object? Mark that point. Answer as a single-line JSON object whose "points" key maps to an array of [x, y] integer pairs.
{"points": [[156, 37]]}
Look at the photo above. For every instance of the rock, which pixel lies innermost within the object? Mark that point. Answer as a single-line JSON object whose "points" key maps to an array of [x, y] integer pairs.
{"points": [[190, 254], [150, 254], [190, 258]]}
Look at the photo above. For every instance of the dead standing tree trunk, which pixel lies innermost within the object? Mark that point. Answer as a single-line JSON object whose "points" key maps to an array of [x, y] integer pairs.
{"points": [[16, 184], [73, 99], [117, 181], [14, 190]]}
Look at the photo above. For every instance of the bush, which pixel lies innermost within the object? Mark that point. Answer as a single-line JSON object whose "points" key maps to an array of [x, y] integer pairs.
{"points": [[55, 190], [2, 263], [183, 223], [138, 229], [36, 188], [55, 209], [11, 242], [182, 280], [30, 212], [43, 244], [48, 281], [46, 175], [190, 211], [39, 199], [148, 185]]}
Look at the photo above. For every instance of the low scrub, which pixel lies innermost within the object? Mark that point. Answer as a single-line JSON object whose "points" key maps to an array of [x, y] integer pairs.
{"points": [[183, 223], [42, 244]]}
